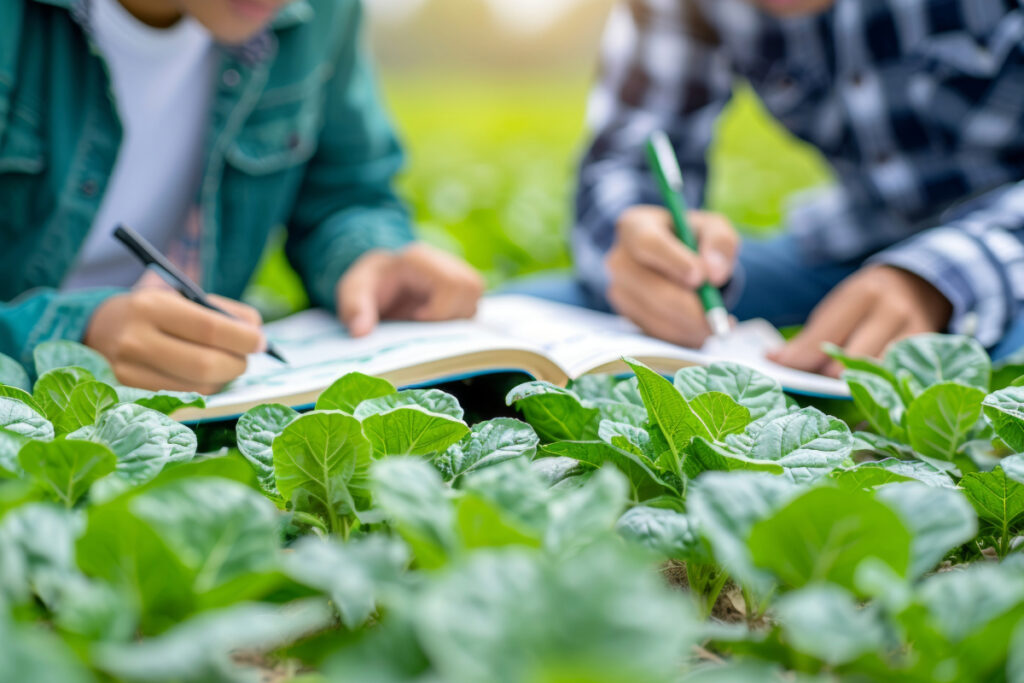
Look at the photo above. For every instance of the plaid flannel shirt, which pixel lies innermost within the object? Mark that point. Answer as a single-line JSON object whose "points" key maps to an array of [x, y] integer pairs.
{"points": [[917, 104]]}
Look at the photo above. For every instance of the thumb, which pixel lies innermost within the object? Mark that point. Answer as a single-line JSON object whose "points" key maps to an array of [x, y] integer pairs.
{"points": [[357, 301]]}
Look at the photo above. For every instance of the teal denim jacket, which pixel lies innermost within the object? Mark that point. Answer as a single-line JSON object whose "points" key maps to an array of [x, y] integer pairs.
{"points": [[297, 137]]}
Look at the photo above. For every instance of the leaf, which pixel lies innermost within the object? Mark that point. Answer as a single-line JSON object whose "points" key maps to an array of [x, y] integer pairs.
{"points": [[54, 355], [962, 602], [325, 456], [1005, 410], [143, 440], [668, 533], [488, 444], [53, 392], [87, 402], [594, 387], [556, 414], [939, 519], [937, 359], [998, 499], [513, 615], [825, 534], [719, 414], [704, 456], [19, 418], [166, 402], [255, 434], [33, 653], [221, 530], [122, 550], [412, 430], [205, 647], [726, 506], [580, 517], [20, 395], [617, 411], [516, 490], [759, 394], [872, 474], [10, 445], [352, 574], [940, 419], [36, 540], [412, 494], [879, 401], [66, 469], [1013, 468], [826, 623], [598, 454], [13, 374], [348, 392], [807, 443], [636, 440], [431, 400], [554, 471]]}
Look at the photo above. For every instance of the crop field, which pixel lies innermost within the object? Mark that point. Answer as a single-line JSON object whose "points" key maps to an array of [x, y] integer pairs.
{"points": [[703, 529]]}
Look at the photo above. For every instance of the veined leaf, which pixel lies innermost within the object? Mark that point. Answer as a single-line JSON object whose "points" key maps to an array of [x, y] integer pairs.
{"points": [[859, 363], [1005, 410], [430, 400], [825, 534], [166, 402], [255, 434], [143, 440], [53, 355], [998, 499], [10, 445], [516, 489], [556, 414], [598, 453], [580, 517], [759, 394], [66, 469], [940, 420], [348, 392], [412, 430], [53, 391], [488, 444], [326, 457], [705, 456], [87, 402], [20, 395], [937, 359], [880, 402], [19, 418], [872, 474], [807, 443]]}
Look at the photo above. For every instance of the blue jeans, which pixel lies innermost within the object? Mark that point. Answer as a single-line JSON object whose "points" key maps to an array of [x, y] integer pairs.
{"points": [[773, 281]]}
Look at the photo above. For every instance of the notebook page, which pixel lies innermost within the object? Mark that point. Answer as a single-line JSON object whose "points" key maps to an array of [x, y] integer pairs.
{"points": [[580, 339], [319, 351]]}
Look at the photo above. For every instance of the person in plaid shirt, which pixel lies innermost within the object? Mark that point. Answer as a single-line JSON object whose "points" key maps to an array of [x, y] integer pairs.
{"points": [[917, 104]]}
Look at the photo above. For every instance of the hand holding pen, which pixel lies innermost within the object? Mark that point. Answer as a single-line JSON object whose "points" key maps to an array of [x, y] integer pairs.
{"points": [[159, 339]]}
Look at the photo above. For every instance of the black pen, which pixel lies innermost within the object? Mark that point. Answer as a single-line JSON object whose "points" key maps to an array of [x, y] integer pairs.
{"points": [[151, 257]]}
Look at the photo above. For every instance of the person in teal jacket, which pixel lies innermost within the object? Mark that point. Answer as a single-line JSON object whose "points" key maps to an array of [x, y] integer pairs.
{"points": [[204, 124]]}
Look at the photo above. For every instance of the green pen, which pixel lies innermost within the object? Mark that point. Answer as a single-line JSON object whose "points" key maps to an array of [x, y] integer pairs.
{"points": [[670, 181]]}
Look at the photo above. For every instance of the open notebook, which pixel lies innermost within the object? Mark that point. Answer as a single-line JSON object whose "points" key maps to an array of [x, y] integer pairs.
{"points": [[549, 341]]}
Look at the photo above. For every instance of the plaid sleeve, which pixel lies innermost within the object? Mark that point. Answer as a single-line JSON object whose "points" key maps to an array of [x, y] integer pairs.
{"points": [[976, 261], [662, 68]]}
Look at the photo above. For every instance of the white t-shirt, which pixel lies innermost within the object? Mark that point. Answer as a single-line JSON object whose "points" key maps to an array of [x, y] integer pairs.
{"points": [[163, 85]]}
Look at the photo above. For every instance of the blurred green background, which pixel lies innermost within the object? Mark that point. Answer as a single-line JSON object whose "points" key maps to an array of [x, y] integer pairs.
{"points": [[490, 97]]}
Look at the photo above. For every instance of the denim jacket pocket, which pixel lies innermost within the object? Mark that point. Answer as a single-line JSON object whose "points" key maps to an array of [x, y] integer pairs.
{"points": [[21, 144], [278, 138]]}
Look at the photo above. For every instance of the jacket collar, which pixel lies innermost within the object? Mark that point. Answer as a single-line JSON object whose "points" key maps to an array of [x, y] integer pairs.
{"points": [[298, 12]]}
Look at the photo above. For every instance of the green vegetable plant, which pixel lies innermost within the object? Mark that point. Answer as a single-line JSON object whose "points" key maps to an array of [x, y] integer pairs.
{"points": [[701, 527]]}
